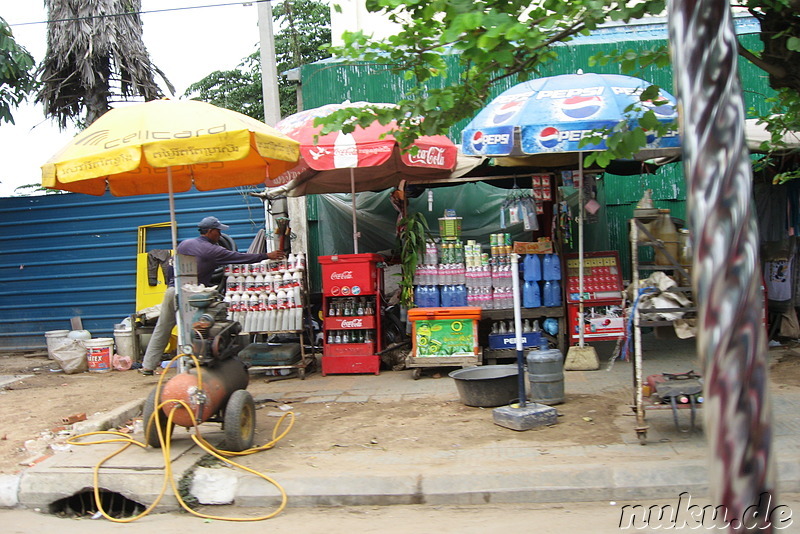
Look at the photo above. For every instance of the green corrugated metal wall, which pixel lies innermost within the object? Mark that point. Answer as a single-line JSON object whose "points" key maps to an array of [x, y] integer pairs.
{"points": [[332, 82]]}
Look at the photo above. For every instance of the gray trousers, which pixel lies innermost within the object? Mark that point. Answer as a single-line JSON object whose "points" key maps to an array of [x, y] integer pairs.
{"points": [[162, 331]]}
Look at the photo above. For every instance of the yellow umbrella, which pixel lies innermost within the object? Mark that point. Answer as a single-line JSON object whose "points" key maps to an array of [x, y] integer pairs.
{"points": [[165, 146]]}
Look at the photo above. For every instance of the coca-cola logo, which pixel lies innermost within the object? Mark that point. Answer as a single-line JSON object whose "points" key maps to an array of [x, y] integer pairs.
{"points": [[433, 156], [353, 323], [343, 275]]}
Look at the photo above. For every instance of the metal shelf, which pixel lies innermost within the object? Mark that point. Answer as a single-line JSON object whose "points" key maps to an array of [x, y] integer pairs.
{"points": [[640, 403]]}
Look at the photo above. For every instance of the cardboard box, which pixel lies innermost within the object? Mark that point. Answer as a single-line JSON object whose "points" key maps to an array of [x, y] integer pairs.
{"points": [[535, 247]]}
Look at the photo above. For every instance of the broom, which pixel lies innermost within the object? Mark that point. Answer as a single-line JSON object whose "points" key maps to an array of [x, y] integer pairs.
{"points": [[581, 357]]}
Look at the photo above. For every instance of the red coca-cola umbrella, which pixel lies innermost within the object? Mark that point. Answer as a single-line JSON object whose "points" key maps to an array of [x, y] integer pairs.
{"points": [[368, 159]]}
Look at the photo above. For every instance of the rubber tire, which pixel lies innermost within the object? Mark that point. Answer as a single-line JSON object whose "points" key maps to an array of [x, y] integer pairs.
{"points": [[239, 421], [150, 432]]}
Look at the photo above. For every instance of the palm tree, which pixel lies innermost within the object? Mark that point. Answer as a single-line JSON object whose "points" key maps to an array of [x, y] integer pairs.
{"points": [[94, 54]]}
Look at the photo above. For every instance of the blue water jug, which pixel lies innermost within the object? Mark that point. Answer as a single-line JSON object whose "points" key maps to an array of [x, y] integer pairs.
{"points": [[547, 294], [433, 297], [551, 268], [532, 266], [447, 296], [531, 296], [552, 293], [461, 292], [557, 292], [419, 296], [546, 375]]}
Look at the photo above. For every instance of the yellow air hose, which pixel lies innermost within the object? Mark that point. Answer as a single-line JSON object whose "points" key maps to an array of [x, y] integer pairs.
{"points": [[165, 438]]}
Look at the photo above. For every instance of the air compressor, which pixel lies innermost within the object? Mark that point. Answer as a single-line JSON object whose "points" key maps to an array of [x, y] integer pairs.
{"points": [[214, 384]]}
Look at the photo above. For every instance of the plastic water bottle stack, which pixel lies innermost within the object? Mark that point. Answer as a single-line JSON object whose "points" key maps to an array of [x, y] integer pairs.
{"points": [[456, 274]]}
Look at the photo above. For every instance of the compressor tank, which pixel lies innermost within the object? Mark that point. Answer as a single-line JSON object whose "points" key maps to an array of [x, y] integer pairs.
{"points": [[219, 383]]}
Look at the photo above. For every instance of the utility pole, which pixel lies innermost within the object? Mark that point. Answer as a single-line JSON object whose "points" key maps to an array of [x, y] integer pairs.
{"points": [[272, 114]]}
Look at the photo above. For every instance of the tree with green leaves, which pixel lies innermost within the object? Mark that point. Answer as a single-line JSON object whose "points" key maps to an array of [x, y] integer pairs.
{"points": [[95, 53], [17, 79], [498, 39], [305, 27]]}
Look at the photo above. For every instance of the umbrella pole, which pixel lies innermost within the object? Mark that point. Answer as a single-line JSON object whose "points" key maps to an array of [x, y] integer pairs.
{"points": [[580, 250], [353, 196], [581, 358], [182, 364], [518, 330], [172, 224]]}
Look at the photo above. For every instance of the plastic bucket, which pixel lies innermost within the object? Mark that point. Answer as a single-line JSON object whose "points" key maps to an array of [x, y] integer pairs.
{"points": [[123, 338], [55, 339], [487, 386], [98, 354]]}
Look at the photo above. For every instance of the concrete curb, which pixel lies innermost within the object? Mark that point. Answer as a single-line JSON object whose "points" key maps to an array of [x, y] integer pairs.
{"points": [[9, 490], [12, 487], [111, 419]]}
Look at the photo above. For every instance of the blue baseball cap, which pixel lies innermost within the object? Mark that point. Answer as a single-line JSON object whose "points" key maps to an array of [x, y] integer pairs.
{"points": [[212, 222]]}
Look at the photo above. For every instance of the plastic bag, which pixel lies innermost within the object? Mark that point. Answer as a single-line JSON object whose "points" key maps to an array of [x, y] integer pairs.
{"points": [[71, 357]]}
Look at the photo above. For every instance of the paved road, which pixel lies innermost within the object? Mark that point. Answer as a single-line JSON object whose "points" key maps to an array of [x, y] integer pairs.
{"points": [[554, 518]]}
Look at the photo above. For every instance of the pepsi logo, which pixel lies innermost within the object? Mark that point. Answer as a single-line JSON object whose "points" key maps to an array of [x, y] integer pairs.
{"points": [[482, 140], [477, 141], [549, 137], [506, 111], [661, 106], [581, 107]]}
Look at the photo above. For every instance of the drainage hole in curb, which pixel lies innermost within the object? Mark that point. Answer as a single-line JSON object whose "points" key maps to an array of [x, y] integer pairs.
{"points": [[82, 504]]}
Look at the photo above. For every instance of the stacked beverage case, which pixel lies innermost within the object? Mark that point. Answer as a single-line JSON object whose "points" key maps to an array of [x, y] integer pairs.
{"points": [[266, 296], [455, 273]]}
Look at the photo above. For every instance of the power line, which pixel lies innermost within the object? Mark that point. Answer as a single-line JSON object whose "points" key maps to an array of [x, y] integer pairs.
{"points": [[244, 3]]}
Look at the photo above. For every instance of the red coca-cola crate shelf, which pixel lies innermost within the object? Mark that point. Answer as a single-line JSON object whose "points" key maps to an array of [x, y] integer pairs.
{"points": [[349, 279]]}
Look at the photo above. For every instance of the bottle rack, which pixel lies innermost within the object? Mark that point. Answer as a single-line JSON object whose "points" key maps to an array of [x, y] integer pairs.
{"points": [[350, 326], [269, 298]]}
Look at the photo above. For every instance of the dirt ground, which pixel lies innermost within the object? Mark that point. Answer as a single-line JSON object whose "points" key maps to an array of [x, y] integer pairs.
{"points": [[32, 412]]}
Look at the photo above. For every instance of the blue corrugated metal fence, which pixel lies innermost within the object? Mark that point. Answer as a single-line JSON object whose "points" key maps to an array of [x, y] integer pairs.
{"points": [[75, 255]]}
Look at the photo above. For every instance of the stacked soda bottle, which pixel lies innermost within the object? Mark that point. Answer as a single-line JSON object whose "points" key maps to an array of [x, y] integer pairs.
{"points": [[266, 296], [502, 283]]}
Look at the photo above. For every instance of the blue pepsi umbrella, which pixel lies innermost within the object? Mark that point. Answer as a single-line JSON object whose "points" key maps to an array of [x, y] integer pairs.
{"points": [[548, 117], [542, 123]]}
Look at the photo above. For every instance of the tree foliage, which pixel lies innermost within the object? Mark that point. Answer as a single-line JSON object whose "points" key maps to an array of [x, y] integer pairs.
{"points": [[95, 53], [305, 26], [17, 79], [497, 39]]}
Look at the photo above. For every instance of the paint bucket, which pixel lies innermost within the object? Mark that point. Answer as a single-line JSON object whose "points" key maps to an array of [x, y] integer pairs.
{"points": [[98, 354], [123, 338], [55, 339]]}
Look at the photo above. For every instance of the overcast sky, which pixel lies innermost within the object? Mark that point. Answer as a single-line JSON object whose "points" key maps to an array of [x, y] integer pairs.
{"points": [[187, 45]]}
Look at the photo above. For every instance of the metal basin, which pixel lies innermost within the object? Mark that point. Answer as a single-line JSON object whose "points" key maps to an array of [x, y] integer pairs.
{"points": [[488, 385]]}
